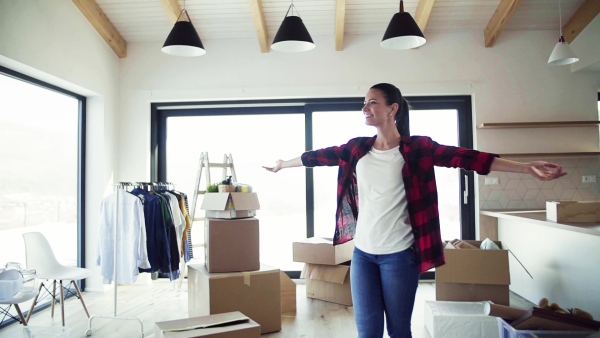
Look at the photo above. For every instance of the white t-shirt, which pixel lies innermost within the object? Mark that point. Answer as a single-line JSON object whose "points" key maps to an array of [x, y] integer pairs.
{"points": [[383, 225]]}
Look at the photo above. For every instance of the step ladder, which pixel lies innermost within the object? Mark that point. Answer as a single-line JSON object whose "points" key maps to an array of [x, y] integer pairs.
{"points": [[205, 165]]}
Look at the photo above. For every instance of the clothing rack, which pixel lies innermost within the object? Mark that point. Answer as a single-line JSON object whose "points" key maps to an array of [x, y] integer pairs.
{"points": [[117, 187]]}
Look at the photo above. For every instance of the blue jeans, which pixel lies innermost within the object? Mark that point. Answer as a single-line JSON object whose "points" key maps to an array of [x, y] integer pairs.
{"points": [[383, 284]]}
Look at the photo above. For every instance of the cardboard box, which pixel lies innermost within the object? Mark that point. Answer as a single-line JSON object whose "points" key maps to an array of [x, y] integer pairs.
{"points": [[257, 294], [230, 204], [231, 245], [573, 211], [224, 325], [460, 320], [507, 331], [330, 283], [474, 275], [229, 214], [288, 293], [318, 250]]}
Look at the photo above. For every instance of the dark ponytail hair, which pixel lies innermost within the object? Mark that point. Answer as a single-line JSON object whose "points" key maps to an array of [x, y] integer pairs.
{"points": [[392, 95]]}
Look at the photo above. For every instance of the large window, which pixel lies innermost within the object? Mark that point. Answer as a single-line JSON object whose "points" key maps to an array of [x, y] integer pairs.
{"points": [[252, 141], [41, 137], [350, 124], [297, 203]]}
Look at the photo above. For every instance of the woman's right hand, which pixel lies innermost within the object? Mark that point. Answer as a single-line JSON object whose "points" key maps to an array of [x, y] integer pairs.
{"points": [[276, 168]]}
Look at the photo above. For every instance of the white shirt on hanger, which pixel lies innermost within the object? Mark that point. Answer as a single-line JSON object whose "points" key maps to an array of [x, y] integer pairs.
{"points": [[131, 238]]}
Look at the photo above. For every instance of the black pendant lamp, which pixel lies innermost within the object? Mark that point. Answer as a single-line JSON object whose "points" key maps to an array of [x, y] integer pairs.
{"points": [[292, 35], [183, 39], [402, 32]]}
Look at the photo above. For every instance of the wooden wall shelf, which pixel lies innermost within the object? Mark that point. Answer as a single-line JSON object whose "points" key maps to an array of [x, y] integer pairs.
{"points": [[553, 124]]}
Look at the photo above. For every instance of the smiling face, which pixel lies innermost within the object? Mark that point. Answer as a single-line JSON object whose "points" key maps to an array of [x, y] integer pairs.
{"points": [[377, 112]]}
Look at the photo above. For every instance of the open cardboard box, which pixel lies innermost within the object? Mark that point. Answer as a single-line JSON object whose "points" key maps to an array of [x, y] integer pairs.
{"points": [[543, 319], [330, 283], [230, 204], [474, 275], [224, 325], [319, 250]]}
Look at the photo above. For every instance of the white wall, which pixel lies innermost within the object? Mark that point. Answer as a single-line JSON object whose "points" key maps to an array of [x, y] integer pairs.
{"points": [[52, 41]]}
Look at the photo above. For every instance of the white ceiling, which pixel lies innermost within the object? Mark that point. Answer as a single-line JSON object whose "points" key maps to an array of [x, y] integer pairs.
{"points": [[146, 20]]}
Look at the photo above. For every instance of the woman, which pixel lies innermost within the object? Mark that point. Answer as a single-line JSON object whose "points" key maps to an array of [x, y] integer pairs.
{"points": [[397, 232]]}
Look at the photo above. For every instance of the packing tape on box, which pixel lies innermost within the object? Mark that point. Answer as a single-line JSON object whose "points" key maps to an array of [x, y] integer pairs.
{"points": [[246, 278]]}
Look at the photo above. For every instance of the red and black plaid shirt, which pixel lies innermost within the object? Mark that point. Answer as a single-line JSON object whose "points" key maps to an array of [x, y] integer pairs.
{"points": [[420, 154]]}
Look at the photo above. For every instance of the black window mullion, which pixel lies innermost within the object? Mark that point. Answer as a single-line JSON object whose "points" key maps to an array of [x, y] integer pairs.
{"points": [[310, 193]]}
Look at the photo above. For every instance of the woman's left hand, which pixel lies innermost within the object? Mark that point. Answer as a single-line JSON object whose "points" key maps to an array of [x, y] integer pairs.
{"points": [[542, 170]]}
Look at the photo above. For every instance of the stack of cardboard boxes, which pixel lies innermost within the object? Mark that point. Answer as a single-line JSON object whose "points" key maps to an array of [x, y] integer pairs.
{"points": [[326, 268], [233, 280], [465, 286]]}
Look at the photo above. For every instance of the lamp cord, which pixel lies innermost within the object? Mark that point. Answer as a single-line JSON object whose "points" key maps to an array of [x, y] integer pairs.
{"points": [[560, 17], [292, 7]]}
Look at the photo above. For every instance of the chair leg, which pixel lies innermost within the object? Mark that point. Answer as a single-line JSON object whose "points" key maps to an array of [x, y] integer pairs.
{"points": [[62, 303], [53, 297], [80, 297], [34, 301], [23, 321]]}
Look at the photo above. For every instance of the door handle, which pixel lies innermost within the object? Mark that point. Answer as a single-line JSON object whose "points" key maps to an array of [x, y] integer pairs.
{"points": [[466, 191]]}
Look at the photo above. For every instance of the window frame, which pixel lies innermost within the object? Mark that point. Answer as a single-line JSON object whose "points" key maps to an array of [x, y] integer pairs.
{"points": [[81, 164]]}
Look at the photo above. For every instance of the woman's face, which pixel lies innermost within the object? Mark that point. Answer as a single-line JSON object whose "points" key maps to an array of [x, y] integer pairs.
{"points": [[376, 111]]}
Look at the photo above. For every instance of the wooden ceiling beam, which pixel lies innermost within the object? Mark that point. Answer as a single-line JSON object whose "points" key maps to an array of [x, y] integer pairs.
{"points": [[582, 17], [172, 8], [260, 25], [501, 17], [423, 13], [340, 23], [99, 20]]}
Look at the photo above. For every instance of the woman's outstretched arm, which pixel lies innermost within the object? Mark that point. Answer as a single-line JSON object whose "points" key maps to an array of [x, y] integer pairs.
{"points": [[541, 170]]}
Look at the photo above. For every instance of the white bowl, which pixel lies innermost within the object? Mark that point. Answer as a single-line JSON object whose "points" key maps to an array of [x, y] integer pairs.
{"points": [[11, 282]]}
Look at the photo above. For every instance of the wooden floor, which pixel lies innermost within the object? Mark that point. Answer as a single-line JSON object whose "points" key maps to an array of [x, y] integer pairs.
{"points": [[161, 301]]}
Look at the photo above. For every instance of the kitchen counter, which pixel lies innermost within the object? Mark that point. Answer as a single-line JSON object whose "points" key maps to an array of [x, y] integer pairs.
{"points": [[539, 217], [558, 261]]}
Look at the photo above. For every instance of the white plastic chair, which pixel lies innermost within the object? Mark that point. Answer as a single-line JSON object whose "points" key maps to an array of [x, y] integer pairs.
{"points": [[39, 256]]}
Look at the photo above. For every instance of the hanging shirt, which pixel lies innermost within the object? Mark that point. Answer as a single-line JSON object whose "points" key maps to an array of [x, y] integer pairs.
{"points": [[173, 271], [157, 241], [128, 212], [178, 220]]}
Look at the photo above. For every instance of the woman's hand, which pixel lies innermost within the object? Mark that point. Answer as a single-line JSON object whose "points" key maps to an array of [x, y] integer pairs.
{"points": [[278, 166], [542, 170]]}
